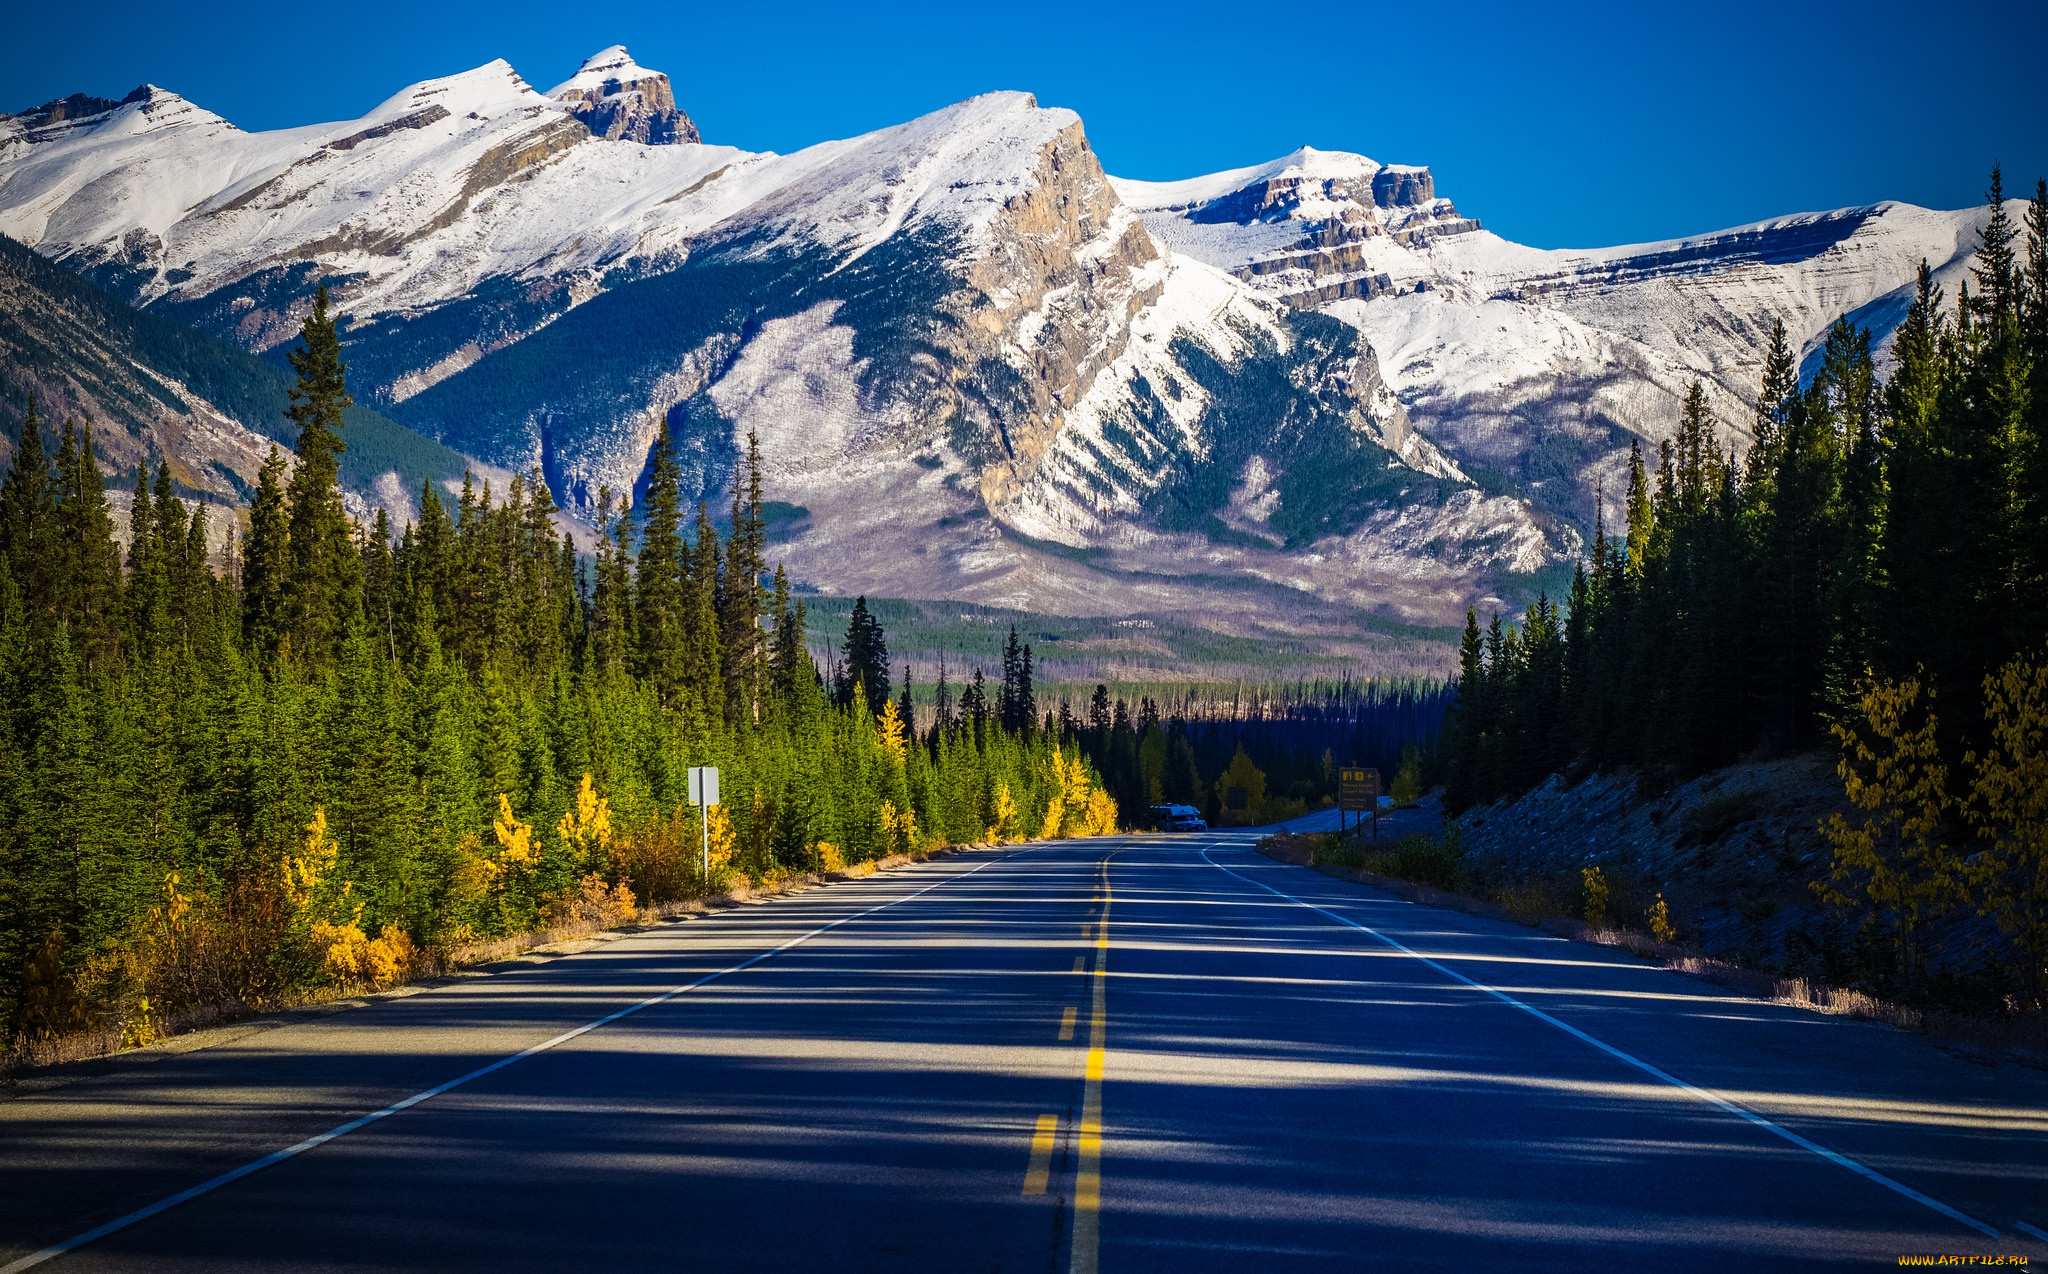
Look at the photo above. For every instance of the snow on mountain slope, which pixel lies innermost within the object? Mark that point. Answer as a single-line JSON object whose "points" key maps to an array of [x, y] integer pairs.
{"points": [[987, 369], [1535, 368]]}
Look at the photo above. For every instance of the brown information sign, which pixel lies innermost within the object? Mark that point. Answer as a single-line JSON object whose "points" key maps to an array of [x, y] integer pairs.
{"points": [[1358, 791]]}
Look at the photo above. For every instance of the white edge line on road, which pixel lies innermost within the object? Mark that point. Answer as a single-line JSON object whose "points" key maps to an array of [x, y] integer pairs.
{"points": [[1704, 1095], [226, 1178]]}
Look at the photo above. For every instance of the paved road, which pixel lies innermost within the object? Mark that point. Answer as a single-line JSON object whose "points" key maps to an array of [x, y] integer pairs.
{"points": [[1127, 1054]]}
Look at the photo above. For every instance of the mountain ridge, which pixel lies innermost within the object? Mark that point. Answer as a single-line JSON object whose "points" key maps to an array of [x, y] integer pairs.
{"points": [[992, 370]]}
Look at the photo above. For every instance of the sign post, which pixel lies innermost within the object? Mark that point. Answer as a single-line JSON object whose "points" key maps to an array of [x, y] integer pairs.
{"points": [[1358, 790], [704, 792]]}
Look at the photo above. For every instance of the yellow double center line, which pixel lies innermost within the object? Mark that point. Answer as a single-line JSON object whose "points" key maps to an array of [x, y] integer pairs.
{"points": [[1088, 1179]]}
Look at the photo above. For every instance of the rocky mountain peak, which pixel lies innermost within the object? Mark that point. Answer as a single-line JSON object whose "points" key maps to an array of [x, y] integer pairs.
{"points": [[1403, 186], [620, 100]]}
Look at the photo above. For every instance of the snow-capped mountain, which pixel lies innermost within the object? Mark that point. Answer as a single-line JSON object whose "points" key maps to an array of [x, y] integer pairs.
{"points": [[980, 366], [1534, 368]]}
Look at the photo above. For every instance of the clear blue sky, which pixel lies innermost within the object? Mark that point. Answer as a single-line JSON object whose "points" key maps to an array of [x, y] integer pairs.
{"points": [[1556, 125]]}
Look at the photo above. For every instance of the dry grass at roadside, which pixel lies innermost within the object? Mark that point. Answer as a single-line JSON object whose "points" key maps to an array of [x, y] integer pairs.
{"points": [[577, 921]]}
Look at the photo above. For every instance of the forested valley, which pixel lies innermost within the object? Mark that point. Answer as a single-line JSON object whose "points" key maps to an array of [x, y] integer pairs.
{"points": [[1871, 575], [344, 752]]}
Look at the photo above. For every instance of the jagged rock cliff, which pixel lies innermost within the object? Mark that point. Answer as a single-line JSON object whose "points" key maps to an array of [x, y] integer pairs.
{"points": [[619, 100], [1302, 228]]}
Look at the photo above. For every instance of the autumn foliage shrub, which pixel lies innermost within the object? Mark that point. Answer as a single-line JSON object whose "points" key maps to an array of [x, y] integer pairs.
{"points": [[592, 903], [1920, 849]]}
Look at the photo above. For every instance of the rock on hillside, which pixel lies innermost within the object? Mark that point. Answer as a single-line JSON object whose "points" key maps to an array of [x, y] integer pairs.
{"points": [[1734, 852]]}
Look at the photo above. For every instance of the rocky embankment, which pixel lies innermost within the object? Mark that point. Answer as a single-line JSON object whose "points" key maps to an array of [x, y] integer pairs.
{"points": [[1734, 853]]}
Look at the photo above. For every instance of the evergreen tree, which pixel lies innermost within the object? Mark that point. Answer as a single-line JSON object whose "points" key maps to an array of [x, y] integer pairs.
{"points": [[1016, 704], [380, 585], [1996, 272], [658, 583], [906, 710], [942, 700], [866, 659], [87, 587], [974, 707], [740, 612], [1641, 516], [705, 589], [28, 520], [148, 609], [789, 663], [265, 561], [323, 577]]}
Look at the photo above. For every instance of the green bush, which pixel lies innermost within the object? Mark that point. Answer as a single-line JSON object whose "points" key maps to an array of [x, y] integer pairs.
{"points": [[1436, 861]]}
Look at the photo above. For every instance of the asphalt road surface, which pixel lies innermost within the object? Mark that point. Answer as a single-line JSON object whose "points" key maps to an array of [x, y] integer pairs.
{"points": [[1143, 1053]]}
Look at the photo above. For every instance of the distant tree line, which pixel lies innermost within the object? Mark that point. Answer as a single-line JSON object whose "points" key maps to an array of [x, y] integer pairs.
{"points": [[348, 746], [1294, 737]]}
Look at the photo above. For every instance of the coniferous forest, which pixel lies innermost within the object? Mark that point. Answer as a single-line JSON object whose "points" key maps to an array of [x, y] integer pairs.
{"points": [[344, 749], [1871, 574]]}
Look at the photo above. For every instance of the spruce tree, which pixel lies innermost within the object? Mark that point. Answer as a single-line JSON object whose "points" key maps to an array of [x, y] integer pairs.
{"points": [[974, 708], [740, 631], [380, 585], [88, 589], [1009, 698], [1996, 270], [28, 521], [1851, 379], [1026, 697], [147, 609], [1467, 726], [172, 544], [1641, 514], [704, 645], [265, 561], [906, 711], [866, 654], [433, 562], [1780, 381], [658, 584], [942, 700], [323, 577]]}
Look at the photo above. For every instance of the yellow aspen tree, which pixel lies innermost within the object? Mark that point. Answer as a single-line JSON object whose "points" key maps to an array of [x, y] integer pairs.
{"points": [[1895, 859], [515, 839], [889, 725], [1050, 827], [586, 828], [1596, 897], [722, 839], [1075, 790], [1100, 820], [1006, 815], [302, 871], [1659, 917], [899, 828], [2008, 808]]}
